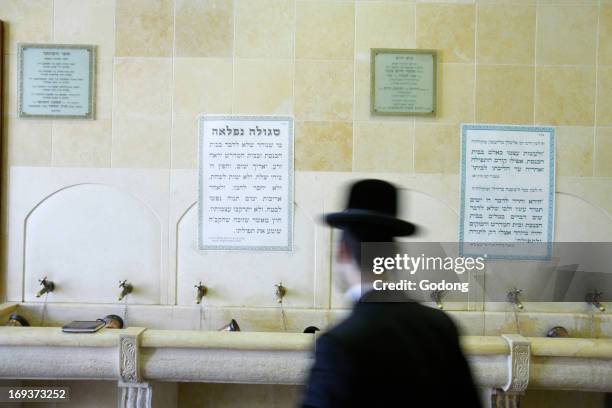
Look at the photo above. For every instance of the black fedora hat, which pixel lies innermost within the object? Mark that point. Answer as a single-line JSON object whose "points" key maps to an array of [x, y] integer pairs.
{"points": [[372, 205]]}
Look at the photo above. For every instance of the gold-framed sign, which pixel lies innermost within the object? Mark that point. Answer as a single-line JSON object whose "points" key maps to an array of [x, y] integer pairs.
{"points": [[403, 82], [56, 81]]}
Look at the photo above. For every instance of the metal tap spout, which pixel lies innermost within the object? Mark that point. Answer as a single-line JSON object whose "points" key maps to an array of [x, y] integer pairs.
{"points": [[126, 289], [280, 292], [201, 292], [47, 287], [513, 298], [594, 298], [436, 296]]}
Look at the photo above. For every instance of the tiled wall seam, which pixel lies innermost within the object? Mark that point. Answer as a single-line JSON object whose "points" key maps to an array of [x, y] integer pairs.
{"points": [[416, 20], [535, 70], [171, 292], [354, 107], [113, 122], [474, 95], [596, 87]]}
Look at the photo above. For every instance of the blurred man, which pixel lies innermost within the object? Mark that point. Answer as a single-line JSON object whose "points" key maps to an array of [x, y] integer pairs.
{"points": [[387, 353]]}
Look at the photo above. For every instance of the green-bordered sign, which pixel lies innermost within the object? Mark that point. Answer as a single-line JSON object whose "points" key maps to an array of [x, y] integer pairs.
{"points": [[403, 82], [56, 81]]}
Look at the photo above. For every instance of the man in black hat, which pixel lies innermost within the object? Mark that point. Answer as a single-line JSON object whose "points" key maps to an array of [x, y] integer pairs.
{"points": [[387, 353]]}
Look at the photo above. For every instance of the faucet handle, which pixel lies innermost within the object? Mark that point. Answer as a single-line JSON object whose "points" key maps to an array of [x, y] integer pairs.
{"points": [[281, 291], [594, 298], [48, 286], [126, 289], [201, 292], [436, 296], [513, 297]]}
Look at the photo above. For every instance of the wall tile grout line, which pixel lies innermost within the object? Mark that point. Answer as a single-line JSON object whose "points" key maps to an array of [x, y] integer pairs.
{"points": [[595, 113], [113, 92], [171, 291], [112, 74], [414, 132], [535, 65], [353, 119], [294, 60], [474, 103], [53, 121], [476, 11], [234, 56]]}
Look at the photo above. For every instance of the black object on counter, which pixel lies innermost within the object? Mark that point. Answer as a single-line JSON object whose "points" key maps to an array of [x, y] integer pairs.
{"points": [[558, 331], [231, 326], [311, 329], [17, 320], [84, 326], [113, 321]]}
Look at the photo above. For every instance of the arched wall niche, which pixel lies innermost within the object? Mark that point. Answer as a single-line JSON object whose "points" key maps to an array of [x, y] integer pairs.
{"points": [[86, 238], [579, 220], [247, 278]]}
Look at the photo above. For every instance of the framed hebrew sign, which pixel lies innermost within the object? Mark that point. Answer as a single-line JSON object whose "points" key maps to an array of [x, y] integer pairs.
{"points": [[246, 182], [56, 81], [403, 82], [507, 190]]}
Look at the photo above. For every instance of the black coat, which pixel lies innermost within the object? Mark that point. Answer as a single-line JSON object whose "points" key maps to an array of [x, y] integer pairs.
{"points": [[391, 355]]}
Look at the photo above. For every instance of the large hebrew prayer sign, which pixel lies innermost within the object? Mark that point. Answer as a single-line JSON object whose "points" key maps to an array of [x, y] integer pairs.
{"points": [[246, 182], [508, 188]]}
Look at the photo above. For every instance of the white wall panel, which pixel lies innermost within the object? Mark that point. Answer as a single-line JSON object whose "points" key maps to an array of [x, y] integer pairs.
{"points": [[86, 238], [247, 278], [86, 229]]}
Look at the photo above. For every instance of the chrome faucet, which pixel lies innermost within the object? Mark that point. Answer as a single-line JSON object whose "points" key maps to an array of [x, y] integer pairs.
{"points": [[436, 296], [513, 298], [280, 293], [126, 288], [48, 286], [201, 292], [594, 298]]}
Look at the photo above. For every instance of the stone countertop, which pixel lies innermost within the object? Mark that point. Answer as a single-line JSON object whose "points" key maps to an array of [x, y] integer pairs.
{"points": [[54, 337], [227, 340], [269, 341], [277, 357]]}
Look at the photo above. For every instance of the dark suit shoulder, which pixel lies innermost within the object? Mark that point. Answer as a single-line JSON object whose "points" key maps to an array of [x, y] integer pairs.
{"points": [[407, 338], [375, 319]]}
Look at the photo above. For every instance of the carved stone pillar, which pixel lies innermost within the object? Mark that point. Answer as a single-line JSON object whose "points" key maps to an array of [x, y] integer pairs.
{"points": [[502, 399], [135, 395], [133, 392], [518, 373]]}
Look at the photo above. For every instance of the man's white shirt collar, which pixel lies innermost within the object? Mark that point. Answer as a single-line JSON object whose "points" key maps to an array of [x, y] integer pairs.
{"points": [[356, 291]]}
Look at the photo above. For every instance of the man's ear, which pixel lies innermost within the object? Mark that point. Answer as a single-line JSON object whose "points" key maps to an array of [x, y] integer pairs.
{"points": [[344, 254]]}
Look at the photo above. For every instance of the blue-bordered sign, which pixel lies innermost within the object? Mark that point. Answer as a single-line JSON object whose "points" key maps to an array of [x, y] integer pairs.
{"points": [[507, 191]]}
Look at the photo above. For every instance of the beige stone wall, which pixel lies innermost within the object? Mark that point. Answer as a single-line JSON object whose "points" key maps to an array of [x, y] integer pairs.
{"points": [[161, 62]]}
